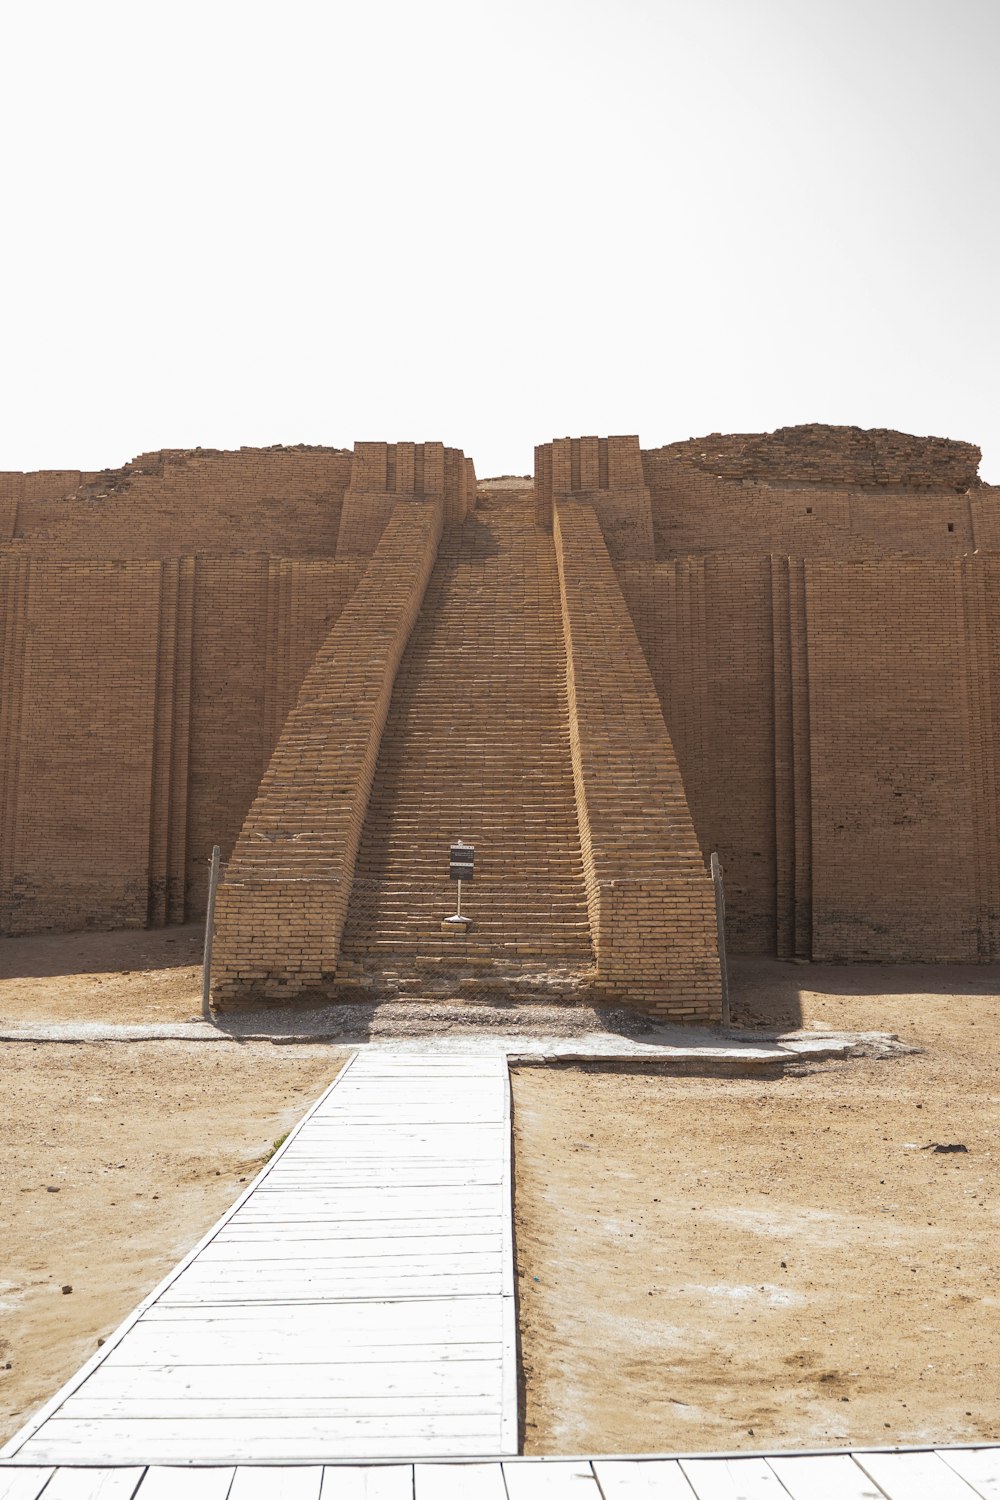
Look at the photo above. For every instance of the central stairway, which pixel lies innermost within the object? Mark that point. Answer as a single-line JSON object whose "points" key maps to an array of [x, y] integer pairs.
{"points": [[476, 747]]}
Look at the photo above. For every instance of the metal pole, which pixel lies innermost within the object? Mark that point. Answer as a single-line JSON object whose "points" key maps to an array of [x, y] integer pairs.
{"points": [[720, 927], [459, 912], [206, 978]]}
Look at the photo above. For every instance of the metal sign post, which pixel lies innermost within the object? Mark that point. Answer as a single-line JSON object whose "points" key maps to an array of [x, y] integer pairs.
{"points": [[461, 862], [206, 978], [720, 927]]}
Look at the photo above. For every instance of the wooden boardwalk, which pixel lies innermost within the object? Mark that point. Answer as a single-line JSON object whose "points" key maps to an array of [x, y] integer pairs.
{"points": [[357, 1301], [347, 1332], [945, 1474]]}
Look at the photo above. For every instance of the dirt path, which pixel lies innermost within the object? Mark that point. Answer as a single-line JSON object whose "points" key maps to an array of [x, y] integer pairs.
{"points": [[116, 1160], [735, 1264]]}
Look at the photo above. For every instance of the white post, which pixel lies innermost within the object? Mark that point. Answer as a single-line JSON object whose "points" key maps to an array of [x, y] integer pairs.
{"points": [[206, 978], [459, 911], [720, 927]]}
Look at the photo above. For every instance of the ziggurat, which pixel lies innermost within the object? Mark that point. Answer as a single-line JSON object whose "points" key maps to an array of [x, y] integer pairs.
{"points": [[783, 647]]}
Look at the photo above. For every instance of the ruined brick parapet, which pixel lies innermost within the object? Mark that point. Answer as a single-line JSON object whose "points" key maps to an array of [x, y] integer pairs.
{"points": [[384, 473], [182, 502], [607, 473], [819, 454]]}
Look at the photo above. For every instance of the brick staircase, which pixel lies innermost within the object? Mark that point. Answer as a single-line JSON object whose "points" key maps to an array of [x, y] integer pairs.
{"points": [[476, 746]]}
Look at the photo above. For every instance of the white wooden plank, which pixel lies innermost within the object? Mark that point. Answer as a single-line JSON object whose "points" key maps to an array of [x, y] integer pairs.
{"points": [[914, 1476], [157, 1346], [409, 1121], [295, 1382], [94, 1484], [299, 1213], [825, 1476], [357, 1206], [640, 1479], [276, 1483], [479, 1104], [439, 1256], [393, 1174], [733, 1479], [279, 1283], [471, 1312], [480, 1108], [277, 1409], [299, 1271], [979, 1467], [23, 1484], [458, 1482], [99, 1433], [388, 1200], [303, 1279], [160, 1443], [172, 1483], [362, 1231], [551, 1479], [344, 1249], [372, 1482], [376, 1289], [339, 1153], [462, 1138]]}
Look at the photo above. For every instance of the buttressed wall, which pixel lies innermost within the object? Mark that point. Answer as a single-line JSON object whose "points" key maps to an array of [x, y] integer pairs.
{"points": [[781, 646]]}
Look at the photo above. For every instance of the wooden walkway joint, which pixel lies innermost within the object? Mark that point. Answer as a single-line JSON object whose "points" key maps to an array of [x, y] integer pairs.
{"points": [[945, 1474]]}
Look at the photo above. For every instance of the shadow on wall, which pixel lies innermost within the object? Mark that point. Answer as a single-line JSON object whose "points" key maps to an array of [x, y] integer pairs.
{"points": [[45, 955]]}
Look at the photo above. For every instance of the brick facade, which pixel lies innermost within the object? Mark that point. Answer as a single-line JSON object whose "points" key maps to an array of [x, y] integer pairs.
{"points": [[783, 646]]}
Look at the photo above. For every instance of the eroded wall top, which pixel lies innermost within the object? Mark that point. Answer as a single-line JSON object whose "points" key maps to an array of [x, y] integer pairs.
{"points": [[282, 500], [819, 454], [818, 491]]}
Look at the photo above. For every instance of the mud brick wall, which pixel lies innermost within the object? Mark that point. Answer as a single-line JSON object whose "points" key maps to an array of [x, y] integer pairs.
{"points": [[706, 629], [32, 495], [893, 804], [837, 727], [282, 904], [158, 621], [697, 512], [984, 504], [384, 473], [79, 709], [258, 624], [173, 504], [650, 899], [139, 705]]}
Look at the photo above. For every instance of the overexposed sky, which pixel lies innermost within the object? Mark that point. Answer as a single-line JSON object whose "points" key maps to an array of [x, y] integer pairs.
{"points": [[494, 223]]}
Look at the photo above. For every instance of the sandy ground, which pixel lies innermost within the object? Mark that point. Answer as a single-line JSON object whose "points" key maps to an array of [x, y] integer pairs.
{"points": [[116, 1159], [726, 1264], [102, 976], [654, 1214]]}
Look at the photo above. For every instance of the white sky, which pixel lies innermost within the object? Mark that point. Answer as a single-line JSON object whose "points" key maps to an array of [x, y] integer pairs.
{"points": [[494, 223]]}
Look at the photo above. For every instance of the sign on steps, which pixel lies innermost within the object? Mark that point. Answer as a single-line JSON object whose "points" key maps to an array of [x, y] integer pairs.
{"points": [[462, 857]]}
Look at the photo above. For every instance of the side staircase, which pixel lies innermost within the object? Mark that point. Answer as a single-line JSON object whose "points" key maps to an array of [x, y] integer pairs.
{"points": [[476, 746]]}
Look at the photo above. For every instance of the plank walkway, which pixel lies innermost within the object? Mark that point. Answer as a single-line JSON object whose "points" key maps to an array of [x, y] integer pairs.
{"points": [[350, 1326], [927, 1474], [357, 1301]]}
